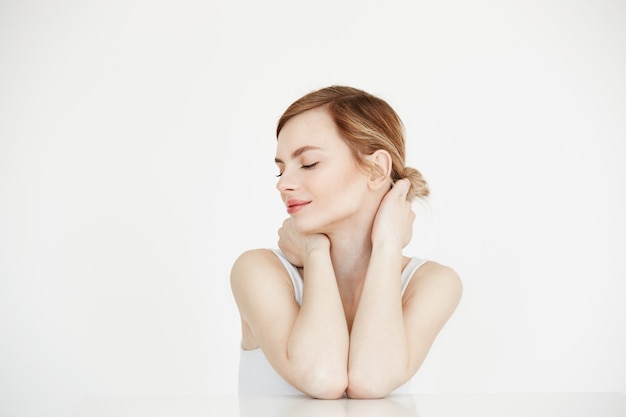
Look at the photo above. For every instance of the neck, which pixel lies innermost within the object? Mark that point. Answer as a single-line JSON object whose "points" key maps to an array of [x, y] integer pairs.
{"points": [[350, 251], [351, 244]]}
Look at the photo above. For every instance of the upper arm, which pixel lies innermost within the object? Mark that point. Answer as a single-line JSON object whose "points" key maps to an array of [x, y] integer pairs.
{"points": [[430, 299], [265, 298]]}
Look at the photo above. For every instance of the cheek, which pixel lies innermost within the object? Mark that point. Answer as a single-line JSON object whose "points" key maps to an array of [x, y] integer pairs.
{"points": [[347, 189], [338, 185]]}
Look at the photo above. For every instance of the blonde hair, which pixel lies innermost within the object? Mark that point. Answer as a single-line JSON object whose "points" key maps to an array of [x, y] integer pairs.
{"points": [[366, 123]]}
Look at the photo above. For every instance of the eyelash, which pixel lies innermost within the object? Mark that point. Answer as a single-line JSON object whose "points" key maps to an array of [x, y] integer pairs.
{"points": [[309, 166]]}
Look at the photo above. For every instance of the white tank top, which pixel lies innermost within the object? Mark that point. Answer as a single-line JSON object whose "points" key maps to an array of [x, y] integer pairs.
{"points": [[256, 375]]}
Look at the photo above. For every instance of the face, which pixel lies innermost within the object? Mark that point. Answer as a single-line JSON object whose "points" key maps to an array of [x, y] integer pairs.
{"points": [[320, 182]]}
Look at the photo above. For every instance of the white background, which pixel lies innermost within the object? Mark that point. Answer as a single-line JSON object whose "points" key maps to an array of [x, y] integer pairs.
{"points": [[136, 163]]}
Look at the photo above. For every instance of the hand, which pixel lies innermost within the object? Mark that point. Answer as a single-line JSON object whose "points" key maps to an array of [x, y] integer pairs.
{"points": [[296, 246], [393, 224]]}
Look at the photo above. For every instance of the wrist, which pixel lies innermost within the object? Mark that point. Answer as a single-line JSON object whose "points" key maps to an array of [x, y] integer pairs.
{"points": [[321, 244], [390, 246], [390, 243], [317, 244], [316, 256]]}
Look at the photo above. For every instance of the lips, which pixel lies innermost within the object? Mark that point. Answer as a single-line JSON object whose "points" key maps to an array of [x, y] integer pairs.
{"points": [[295, 205]]}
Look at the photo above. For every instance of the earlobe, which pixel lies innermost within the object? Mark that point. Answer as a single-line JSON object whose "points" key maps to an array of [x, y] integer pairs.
{"points": [[380, 170]]}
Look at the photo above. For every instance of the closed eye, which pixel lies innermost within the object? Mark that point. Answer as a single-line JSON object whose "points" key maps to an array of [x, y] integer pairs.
{"points": [[309, 166]]}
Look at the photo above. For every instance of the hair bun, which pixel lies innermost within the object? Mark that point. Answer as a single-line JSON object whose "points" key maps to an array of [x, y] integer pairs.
{"points": [[419, 187]]}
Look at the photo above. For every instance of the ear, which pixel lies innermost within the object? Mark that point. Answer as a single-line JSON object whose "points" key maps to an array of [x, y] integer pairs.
{"points": [[380, 168]]}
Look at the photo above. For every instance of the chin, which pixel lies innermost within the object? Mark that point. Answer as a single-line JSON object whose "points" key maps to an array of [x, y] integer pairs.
{"points": [[308, 228]]}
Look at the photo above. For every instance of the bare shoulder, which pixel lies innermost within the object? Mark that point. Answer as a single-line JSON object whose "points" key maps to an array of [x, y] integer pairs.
{"points": [[436, 282], [263, 292], [430, 299], [437, 273], [254, 258], [259, 272], [255, 264]]}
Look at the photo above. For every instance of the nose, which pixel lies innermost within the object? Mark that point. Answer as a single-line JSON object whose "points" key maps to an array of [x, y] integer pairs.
{"points": [[286, 182]]}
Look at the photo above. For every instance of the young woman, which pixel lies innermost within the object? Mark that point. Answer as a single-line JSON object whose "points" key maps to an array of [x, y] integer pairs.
{"points": [[339, 310]]}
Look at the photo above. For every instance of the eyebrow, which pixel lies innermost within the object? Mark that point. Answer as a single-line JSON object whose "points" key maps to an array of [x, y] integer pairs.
{"points": [[298, 152]]}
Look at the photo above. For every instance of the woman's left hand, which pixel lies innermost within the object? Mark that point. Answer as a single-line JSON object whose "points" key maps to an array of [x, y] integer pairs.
{"points": [[393, 224]]}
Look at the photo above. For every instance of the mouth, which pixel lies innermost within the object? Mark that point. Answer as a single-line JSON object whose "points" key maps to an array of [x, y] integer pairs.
{"points": [[296, 205]]}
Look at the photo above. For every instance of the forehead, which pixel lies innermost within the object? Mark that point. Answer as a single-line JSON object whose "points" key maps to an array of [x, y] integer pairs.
{"points": [[314, 128]]}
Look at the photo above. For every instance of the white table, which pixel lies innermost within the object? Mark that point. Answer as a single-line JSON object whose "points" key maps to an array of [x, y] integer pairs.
{"points": [[421, 405]]}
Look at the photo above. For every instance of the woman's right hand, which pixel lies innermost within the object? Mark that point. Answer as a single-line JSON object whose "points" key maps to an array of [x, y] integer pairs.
{"points": [[296, 246]]}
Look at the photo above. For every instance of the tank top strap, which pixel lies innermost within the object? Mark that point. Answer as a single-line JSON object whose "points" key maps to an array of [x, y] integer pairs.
{"points": [[409, 270], [294, 274]]}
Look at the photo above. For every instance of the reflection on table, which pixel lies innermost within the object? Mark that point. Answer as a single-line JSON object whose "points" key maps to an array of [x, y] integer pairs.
{"points": [[421, 405], [392, 406]]}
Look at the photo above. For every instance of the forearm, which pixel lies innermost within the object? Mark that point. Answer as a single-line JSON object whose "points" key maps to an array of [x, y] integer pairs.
{"points": [[378, 356], [318, 345]]}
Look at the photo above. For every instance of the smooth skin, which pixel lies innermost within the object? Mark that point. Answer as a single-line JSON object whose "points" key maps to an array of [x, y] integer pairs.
{"points": [[354, 333]]}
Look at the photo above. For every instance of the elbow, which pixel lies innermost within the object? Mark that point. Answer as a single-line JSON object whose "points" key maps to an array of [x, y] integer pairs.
{"points": [[328, 392], [324, 385], [365, 392], [365, 383], [360, 387]]}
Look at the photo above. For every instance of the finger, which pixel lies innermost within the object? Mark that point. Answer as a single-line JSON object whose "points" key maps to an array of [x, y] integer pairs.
{"points": [[401, 187]]}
